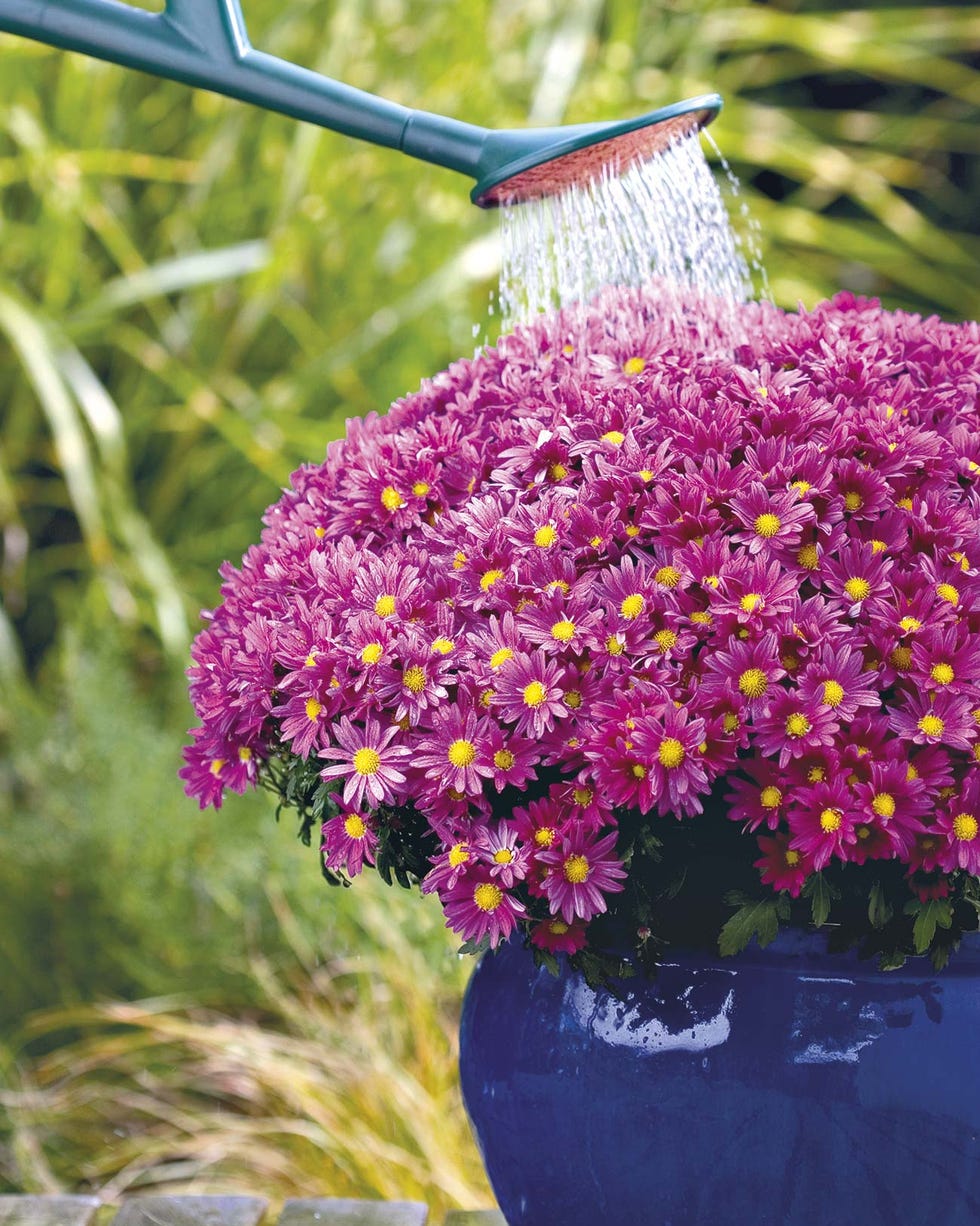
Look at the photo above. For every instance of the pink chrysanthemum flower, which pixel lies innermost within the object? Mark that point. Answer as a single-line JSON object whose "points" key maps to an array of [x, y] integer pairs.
{"points": [[783, 867], [554, 600], [558, 936], [455, 753], [960, 825], [369, 762], [478, 907], [582, 870], [530, 694], [349, 840]]}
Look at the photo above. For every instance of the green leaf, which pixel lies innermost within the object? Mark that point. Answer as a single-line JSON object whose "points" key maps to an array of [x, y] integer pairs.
{"points": [[475, 947], [820, 893], [758, 918], [880, 910], [930, 915]]}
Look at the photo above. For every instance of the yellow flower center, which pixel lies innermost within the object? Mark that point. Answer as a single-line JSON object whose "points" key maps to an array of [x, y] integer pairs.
{"points": [[797, 724], [668, 576], [665, 639], [816, 774], [802, 487], [965, 827], [367, 761], [354, 826], [503, 856], [216, 765], [808, 557], [853, 500], [833, 693], [858, 588], [575, 869], [490, 578], [503, 759], [901, 658], [614, 646], [931, 725], [750, 602], [461, 753], [391, 500], [616, 437], [244, 754], [946, 591], [878, 546], [545, 536], [632, 606], [384, 606], [767, 524], [414, 679], [910, 624], [459, 560], [730, 721], [942, 673], [883, 803], [563, 631], [501, 657], [459, 853], [443, 646], [582, 796], [634, 366], [770, 797], [904, 503], [645, 474], [545, 836], [319, 532], [488, 896], [701, 617], [753, 683], [534, 694], [310, 661], [791, 857], [557, 927], [638, 770], [313, 708], [420, 489], [557, 472], [670, 753], [830, 820]]}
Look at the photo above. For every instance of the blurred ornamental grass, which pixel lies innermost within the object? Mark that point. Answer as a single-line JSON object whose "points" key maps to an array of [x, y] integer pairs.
{"points": [[194, 296], [341, 1081]]}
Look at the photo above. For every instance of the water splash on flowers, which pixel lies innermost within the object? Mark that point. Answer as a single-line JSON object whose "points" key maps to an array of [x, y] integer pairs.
{"points": [[664, 219]]}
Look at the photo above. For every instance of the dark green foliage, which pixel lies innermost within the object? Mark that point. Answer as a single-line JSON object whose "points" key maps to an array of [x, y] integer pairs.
{"points": [[756, 919]]}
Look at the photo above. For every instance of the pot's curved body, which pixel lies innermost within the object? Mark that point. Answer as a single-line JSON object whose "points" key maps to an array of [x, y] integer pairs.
{"points": [[784, 1087]]}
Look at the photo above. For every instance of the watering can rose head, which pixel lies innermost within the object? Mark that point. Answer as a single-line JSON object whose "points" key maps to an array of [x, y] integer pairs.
{"points": [[600, 611]]}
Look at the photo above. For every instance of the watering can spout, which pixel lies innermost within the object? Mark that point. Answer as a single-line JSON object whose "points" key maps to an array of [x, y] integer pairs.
{"points": [[205, 43]]}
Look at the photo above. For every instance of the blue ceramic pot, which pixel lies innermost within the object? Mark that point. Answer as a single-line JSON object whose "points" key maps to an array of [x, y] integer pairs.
{"points": [[784, 1087]]}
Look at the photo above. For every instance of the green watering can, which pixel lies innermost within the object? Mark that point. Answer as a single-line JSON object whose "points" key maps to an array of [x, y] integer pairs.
{"points": [[204, 43]]}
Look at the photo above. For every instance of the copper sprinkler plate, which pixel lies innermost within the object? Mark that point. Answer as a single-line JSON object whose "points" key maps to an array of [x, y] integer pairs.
{"points": [[582, 165]]}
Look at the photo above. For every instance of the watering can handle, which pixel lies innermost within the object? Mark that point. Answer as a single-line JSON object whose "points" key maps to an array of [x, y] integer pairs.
{"points": [[205, 43]]}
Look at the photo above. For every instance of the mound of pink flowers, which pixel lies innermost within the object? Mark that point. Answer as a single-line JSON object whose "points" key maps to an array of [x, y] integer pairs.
{"points": [[596, 576]]}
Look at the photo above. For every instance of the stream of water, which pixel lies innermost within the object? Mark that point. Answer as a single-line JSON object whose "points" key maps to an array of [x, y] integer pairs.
{"points": [[663, 220]]}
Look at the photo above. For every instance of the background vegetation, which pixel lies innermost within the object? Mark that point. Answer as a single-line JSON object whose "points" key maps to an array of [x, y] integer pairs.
{"points": [[194, 297]]}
